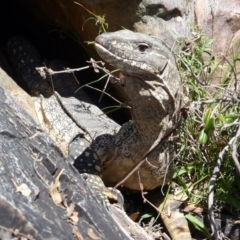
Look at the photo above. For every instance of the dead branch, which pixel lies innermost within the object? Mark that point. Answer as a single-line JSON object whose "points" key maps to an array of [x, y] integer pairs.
{"points": [[103, 92], [235, 155], [234, 73], [230, 125], [193, 74], [232, 143], [217, 100], [142, 193], [43, 71], [134, 170], [105, 87], [97, 65]]}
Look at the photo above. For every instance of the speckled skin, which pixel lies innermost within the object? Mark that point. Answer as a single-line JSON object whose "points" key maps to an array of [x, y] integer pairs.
{"points": [[153, 85]]}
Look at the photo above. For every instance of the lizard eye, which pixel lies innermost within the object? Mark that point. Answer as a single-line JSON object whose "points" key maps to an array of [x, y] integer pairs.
{"points": [[142, 47]]}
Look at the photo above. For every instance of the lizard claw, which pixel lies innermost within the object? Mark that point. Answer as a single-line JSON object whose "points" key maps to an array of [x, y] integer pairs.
{"points": [[115, 195], [103, 193]]}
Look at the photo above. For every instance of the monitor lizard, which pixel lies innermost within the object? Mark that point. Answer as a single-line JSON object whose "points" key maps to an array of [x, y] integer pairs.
{"points": [[152, 83]]}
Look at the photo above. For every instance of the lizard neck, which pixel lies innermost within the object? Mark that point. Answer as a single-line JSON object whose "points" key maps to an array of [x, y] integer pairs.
{"points": [[155, 108]]}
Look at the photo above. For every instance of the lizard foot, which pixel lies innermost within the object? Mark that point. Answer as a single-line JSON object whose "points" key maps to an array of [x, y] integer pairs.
{"points": [[103, 193]]}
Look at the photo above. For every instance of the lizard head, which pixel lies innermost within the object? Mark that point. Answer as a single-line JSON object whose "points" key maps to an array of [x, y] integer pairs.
{"points": [[133, 53]]}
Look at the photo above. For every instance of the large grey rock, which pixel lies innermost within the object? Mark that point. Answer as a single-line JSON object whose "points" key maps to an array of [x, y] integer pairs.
{"points": [[220, 20], [29, 163], [166, 19]]}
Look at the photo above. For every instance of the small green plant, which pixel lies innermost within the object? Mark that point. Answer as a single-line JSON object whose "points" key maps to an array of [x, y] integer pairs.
{"points": [[213, 120], [98, 19]]}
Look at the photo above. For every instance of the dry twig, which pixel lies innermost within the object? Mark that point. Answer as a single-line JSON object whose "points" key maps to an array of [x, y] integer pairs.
{"points": [[134, 170], [97, 65], [142, 193], [43, 71], [234, 73], [193, 74], [232, 143]]}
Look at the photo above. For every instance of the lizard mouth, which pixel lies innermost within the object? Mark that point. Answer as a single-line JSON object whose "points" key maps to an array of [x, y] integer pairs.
{"points": [[98, 40], [99, 46], [108, 56], [100, 43], [101, 40], [103, 52], [102, 46]]}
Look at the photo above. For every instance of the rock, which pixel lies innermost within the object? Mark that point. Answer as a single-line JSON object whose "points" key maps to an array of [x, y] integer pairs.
{"points": [[219, 20], [19, 95], [166, 19], [31, 165]]}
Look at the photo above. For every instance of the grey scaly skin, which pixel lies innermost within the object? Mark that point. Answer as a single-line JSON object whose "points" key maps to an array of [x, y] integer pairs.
{"points": [[153, 86]]}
